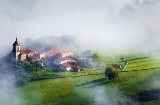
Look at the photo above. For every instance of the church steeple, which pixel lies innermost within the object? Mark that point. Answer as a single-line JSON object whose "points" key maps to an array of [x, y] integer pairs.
{"points": [[16, 42], [16, 49], [16, 46]]}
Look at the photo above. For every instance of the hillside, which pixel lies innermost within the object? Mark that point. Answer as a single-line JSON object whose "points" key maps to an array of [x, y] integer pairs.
{"points": [[139, 84]]}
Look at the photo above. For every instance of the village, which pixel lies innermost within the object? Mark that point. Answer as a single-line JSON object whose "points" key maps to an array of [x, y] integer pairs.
{"points": [[56, 71], [61, 60]]}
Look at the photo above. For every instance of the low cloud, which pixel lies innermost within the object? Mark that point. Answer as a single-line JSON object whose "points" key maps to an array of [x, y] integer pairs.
{"points": [[7, 88], [107, 25], [107, 95]]}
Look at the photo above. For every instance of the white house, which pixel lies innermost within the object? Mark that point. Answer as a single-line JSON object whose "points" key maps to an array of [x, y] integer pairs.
{"points": [[61, 60]]}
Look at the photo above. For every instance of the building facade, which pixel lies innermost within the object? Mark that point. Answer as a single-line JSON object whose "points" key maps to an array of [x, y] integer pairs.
{"points": [[19, 55]]}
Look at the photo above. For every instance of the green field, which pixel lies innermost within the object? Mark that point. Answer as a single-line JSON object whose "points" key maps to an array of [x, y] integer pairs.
{"points": [[139, 84]]}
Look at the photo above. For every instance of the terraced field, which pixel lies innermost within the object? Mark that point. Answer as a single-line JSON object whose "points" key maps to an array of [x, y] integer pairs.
{"points": [[143, 63], [138, 85]]}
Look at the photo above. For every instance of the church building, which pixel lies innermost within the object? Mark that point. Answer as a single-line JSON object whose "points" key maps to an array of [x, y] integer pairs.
{"points": [[22, 55]]}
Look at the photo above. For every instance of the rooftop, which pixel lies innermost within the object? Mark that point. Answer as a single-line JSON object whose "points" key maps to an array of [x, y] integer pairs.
{"points": [[66, 65], [62, 59], [26, 51]]}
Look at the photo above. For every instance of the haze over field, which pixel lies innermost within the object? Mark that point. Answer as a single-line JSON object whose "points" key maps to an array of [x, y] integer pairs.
{"points": [[104, 24]]}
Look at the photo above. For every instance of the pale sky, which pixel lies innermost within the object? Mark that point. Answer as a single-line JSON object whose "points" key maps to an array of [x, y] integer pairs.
{"points": [[103, 24]]}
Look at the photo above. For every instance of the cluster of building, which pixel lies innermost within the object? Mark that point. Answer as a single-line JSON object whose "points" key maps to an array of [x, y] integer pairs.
{"points": [[59, 59], [25, 55]]}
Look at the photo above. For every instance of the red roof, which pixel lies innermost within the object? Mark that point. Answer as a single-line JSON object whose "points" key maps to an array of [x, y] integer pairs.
{"points": [[26, 51], [38, 52], [55, 52], [52, 52], [62, 59], [66, 65]]}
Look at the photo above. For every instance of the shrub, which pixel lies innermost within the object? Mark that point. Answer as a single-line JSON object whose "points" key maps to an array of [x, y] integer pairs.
{"points": [[20, 81], [111, 72]]}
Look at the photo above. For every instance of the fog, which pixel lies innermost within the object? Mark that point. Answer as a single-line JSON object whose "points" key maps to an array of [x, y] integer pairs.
{"points": [[7, 96], [100, 24], [107, 25]]}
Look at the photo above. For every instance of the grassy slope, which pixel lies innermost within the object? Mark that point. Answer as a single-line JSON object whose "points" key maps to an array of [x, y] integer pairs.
{"points": [[82, 89]]}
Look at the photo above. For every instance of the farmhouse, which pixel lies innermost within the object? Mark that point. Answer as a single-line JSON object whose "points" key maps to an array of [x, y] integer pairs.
{"points": [[65, 67]]}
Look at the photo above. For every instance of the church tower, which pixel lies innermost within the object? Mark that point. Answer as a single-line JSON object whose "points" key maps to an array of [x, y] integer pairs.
{"points": [[16, 50]]}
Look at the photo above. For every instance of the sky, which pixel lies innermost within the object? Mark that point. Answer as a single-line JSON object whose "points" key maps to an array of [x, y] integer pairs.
{"points": [[117, 25]]}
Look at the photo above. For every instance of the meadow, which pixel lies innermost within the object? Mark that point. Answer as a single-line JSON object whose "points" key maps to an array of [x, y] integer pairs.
{"points": [[138, 84]]}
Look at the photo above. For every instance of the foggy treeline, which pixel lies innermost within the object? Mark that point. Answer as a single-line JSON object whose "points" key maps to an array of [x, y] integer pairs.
{"points": [[50, 42]]}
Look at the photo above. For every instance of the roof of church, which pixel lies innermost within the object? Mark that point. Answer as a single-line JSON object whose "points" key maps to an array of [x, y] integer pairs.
{"points": [[26, 51]]}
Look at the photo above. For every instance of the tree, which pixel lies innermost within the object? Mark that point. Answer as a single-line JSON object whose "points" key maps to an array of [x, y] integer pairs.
{"points": [[111, 72], [87, 53], [95, 56]]}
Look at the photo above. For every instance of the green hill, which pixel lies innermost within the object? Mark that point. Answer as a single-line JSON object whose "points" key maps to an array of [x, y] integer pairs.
{"points": [[138, 85]]}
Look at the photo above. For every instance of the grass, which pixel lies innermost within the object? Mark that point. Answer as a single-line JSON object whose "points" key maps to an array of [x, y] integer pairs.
{"points": [[141, 64], [90, 87], [57, 91]]}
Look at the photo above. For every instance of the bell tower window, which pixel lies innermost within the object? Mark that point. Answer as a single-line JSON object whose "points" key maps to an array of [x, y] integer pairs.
{"points": [[18, 49]]}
